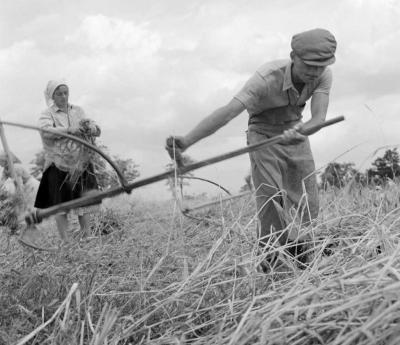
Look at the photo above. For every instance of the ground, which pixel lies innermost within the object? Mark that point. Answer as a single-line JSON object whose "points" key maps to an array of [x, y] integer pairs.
{"points": [[150, 275]]}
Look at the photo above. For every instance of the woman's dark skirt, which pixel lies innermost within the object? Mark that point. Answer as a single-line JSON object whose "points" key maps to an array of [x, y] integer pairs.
{"points": [[55, 186]]}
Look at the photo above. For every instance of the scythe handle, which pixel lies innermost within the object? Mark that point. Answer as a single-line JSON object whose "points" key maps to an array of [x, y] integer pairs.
{"points": [[177, 156], [322, 125], [120, 175], [96, 197], [270, 141]]}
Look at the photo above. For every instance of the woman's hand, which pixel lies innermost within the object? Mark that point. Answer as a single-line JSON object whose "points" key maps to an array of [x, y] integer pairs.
{"points": [[89, 128], [95, 131], [76, 131]]}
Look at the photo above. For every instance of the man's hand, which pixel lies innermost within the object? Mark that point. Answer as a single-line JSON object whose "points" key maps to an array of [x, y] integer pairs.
{"points": [[293, 136], [175, 145]]}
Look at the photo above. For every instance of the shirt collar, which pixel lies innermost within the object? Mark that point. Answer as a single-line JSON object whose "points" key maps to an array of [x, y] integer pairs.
{"points": [[55, 108], [287, 78]]}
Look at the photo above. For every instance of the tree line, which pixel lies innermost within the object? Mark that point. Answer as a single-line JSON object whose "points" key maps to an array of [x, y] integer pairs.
{"points": [[383, 170]]}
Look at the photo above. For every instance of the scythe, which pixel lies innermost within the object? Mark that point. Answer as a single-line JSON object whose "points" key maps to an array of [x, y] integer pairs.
{"points": [[96, 197]]}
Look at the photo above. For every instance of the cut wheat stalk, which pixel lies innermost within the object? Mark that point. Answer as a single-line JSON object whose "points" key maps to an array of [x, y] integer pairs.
{"points": [[63, 306]]}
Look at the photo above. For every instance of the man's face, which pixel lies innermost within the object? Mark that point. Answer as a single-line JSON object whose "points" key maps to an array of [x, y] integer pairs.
{"points": [[60, 96], [305, 73]]}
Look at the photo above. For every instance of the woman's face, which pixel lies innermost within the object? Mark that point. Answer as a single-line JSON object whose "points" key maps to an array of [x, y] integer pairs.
{"points": [[60, 96]]}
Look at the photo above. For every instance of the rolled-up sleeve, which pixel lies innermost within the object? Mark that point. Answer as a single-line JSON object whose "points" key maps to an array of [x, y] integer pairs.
{"points": [[45, 120], [252, 92]]}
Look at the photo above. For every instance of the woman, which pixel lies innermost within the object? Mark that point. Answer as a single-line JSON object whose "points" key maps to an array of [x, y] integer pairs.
{"points": [[29, 185], [68, 171], [14, 202], [7, 184]]}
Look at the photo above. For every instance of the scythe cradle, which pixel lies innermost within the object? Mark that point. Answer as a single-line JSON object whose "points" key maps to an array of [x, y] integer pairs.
{"points": [[96, 197], [120, 175]]}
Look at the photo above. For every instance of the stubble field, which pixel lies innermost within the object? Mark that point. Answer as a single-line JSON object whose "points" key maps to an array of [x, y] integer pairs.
{"points": [[150, 275]]}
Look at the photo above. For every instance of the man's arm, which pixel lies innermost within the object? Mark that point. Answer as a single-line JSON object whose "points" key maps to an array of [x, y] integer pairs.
{"points": [[319, 109], [217, 119]]}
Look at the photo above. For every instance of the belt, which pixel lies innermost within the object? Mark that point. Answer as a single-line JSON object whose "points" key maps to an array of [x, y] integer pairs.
{"points": [[272, 119], [279, 115]]}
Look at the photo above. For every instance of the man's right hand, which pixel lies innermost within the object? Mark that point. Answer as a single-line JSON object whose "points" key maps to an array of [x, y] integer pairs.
{"points": [[175, 145]]}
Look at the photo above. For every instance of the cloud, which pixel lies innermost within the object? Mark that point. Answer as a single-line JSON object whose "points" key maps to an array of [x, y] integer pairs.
{"points": [[99, 33], [144, 70], [367, 48]]}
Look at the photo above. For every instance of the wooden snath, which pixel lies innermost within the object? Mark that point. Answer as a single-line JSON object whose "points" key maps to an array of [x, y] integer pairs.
{"points": [[96, 197]]}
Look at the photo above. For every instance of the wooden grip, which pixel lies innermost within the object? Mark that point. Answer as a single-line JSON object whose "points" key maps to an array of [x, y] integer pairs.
{"points": [[322, 125]]}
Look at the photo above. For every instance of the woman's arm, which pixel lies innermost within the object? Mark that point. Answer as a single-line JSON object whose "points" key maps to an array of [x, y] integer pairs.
{"points": [[46, 121]]}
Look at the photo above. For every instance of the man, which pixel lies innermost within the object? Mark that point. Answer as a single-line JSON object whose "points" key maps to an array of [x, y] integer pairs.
{"points": [[274, 98]]}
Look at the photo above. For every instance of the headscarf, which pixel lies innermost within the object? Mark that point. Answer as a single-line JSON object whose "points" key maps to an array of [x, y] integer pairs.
{"points": [[52, 85]]}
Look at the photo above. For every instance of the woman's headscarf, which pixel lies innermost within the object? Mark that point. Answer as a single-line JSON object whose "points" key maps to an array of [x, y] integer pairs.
{"points": [[52, 85]]}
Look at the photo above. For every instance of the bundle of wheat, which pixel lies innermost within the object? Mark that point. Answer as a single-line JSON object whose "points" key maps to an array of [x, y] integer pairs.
{"points": [[11, 206]]}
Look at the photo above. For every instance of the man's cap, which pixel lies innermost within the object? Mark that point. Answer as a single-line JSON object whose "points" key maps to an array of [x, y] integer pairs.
{"points": [[315, 47]]}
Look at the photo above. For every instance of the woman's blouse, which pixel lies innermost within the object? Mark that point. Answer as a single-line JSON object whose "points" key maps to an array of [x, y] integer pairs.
{"points": [[66, 154]]}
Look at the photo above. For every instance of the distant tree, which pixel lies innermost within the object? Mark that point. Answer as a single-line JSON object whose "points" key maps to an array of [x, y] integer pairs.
{"points": [[128, 168], [181, 181], [105, 174], [248, 186], [339, 174], [385, 167]]}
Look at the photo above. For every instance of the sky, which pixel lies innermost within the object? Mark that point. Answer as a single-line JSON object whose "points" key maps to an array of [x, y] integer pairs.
{"points": [[144, 70]]}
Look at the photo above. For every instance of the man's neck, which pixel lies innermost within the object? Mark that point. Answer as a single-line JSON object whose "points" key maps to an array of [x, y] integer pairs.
{"points": [[295, 78], [297, 82]]}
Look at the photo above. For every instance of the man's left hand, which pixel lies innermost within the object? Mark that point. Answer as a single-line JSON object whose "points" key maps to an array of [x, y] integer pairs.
{"points": [[293, 136]]}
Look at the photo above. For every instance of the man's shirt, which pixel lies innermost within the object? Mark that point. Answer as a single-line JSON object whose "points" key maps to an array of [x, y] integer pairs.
{"points": [[270, 92]]}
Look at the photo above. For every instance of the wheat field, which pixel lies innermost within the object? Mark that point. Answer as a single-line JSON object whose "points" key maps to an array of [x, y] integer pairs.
{"points": [[150, 275]]}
